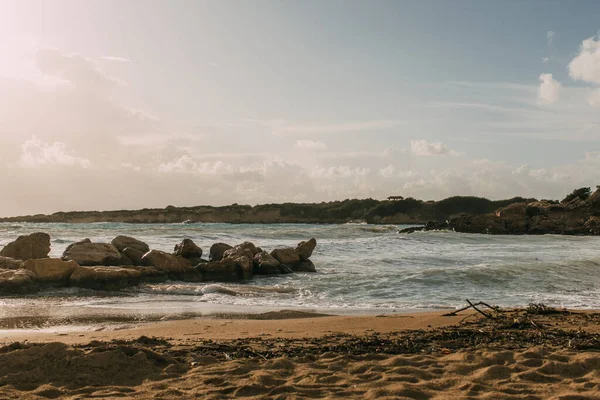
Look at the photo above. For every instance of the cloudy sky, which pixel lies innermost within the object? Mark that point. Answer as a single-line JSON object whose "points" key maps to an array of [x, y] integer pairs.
{"points": [[128, 104]]}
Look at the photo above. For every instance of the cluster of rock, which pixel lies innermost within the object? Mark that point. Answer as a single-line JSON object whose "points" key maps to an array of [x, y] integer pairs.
{"points": [[574, 216], [126, 261]]}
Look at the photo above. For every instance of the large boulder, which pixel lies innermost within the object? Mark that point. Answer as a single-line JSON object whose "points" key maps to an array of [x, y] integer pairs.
{"points": [[217, 250], [104, 277], [266, 264], [18, 281], [169, 263], [286, 256], [305, 249], [86, 253], [36, 245], [227, 270], [10, 263], [122, 242], [188, 249], [51, 270]]}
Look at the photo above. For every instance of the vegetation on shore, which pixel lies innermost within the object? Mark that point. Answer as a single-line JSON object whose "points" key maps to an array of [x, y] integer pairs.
{"points": [[406, 211]]}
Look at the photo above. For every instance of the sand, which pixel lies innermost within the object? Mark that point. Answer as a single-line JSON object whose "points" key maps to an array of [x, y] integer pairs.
{"points": [[520, 355]]}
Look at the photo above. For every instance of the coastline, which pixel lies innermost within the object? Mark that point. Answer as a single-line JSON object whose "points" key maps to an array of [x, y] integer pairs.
{"points": [[298, 355]]}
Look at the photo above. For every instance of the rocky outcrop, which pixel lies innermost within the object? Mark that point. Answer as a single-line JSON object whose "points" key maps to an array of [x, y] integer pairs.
{"points": [[573, 216], [9, 263], [86, 253], [17, 281], [100, 266], [171, 264], [51, 270], [217, 250], [36, 245], [305, 249], [104, 278], [123, 242]]}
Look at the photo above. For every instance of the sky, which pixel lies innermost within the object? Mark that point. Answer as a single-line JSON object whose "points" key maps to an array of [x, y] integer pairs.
{"points": [[116, 104]]}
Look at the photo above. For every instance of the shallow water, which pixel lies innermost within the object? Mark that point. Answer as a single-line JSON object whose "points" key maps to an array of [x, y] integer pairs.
{"points": [[362, 268]]}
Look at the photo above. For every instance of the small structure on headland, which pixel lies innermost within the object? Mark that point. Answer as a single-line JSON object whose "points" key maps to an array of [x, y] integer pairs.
{"points": [[392, 198]]}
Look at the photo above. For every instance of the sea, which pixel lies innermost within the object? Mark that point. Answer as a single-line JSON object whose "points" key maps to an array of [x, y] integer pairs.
{"points": [[362, 269]]}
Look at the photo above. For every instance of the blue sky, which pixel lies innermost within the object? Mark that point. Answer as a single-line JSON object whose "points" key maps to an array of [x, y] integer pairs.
{"points": [[215, 102]]}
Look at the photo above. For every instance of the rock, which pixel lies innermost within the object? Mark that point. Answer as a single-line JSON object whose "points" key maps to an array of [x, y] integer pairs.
{"points": [[248, 246], [169, 263], [227, 270], [305, 249], [284, 269], [122, 242], [304, 266], [18, 281], [266, 264], [36, 245], [540, 224], [515, 210], [51, 270], [10, 263], [412, 229], [89, 254], [238, 252], [69, 247], [134, 255], [594, 199], [188, 249], [483, 223], [104, 277], [149, 274], [287, 256], [592, 225], [217, 250]]}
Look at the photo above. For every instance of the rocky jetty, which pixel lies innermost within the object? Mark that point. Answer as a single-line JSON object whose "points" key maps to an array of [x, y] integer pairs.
{"points": [[577, 214], [126, 261]]}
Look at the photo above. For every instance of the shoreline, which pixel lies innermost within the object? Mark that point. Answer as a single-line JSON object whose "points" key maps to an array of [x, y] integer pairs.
{"points": [[536, 353]]}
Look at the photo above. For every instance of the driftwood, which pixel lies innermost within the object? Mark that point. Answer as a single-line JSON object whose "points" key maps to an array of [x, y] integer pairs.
{"points": [[474, 307]]}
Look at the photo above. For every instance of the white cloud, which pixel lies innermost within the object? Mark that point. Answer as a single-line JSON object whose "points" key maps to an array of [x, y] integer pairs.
{"points": [[79, 71], [186, 164], [594, 98], [586, 65], [288, 128], [311, 145], [338, 171], [117, 59], [36, 153], [549, 90], [158, 139], [425, 148]]}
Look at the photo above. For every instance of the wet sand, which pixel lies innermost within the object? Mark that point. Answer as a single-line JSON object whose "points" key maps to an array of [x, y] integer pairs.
{"points": [[518, 354]]}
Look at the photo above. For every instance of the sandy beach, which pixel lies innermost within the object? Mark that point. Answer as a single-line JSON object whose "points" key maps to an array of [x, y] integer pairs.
{"points": [[520, 354]]}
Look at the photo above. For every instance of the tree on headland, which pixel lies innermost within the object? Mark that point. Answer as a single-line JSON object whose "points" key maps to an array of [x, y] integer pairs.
{"points": [[581, 193]]}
